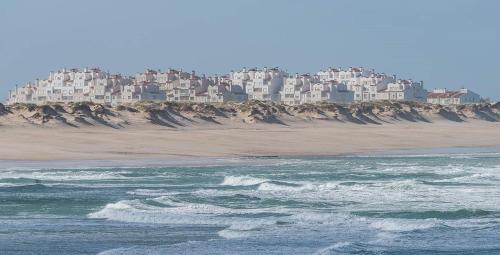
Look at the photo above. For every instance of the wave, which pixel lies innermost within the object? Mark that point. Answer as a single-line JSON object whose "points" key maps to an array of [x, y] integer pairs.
{"points": [[301, 162], [432, 214], [268, 185], [402, 185], [23, 187], [334, 248], [171, 211], [136, 250], [231, 234], [61, 175], [245, 228], [392, 225], [400, 164], [241, 181], [476, 177], [152, 192], [296, 187]]}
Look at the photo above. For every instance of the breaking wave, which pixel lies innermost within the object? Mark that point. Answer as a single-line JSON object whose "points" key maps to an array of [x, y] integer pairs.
{"points": [[394, 225], [242, 181], [61, 175]]}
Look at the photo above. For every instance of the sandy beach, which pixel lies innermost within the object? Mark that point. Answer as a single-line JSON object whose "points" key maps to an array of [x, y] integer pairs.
{"points": [[151, 142], [186, 131]]}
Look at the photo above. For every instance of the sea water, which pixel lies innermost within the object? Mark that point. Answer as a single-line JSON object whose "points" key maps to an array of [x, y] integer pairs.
{"points": [[399, 204]]}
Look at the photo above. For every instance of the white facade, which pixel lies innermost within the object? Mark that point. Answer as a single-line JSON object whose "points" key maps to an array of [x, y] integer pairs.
{"points": [[70, 86], [327, 91], [294, 87], [219, 90], [273, 84], [365, 84], [447, 97], [260, 84], [89, 85], [404, 90]]}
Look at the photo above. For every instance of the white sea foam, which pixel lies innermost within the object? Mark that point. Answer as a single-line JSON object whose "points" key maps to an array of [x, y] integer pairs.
{"points": [[277, 187], [333, 248], [297, 187], [302, 162], [475, 177], [245, 228], [9, 185], [133, 251], [232, 234], [402, 185], [135, 211], [242, 181], [175, 212], [61, 175], [152, 192], [401, 164], [306, 217], [403, 225]]}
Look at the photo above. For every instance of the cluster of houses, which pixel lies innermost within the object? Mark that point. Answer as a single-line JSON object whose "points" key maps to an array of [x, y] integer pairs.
{"points": [[267, 84]]}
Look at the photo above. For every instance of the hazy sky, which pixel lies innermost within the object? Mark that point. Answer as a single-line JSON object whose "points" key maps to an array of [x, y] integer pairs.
{"points": [[445, 43]]}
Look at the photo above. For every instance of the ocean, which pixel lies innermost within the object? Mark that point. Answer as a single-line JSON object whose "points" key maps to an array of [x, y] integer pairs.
{"points": [[438, 203]]}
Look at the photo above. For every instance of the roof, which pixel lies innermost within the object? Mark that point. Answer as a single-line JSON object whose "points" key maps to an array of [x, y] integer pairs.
{"points": [[150, 71], [448, 94]]}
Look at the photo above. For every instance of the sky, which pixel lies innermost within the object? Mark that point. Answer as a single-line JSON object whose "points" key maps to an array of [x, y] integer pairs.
{"points": [[446, 43]]}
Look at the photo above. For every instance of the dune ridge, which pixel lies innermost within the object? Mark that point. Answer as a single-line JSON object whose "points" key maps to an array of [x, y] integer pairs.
{"points": [[175, 115]]}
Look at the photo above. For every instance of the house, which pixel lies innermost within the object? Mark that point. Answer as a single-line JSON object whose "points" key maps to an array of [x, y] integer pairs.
{"points": [[219, 90], [148, 76], [260, 84], [327, 91], [69, 85], [366, 88], [187, 87], [363, 82], [294, 86], [403, 90], [143, 91], [267, 84], [447, 97], [340, 75]]}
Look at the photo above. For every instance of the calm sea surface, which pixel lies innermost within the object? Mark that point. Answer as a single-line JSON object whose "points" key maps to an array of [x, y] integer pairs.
{"points": [[413, 204]]}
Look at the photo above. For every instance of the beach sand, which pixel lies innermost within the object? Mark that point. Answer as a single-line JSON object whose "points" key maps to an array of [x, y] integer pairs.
{"points": [[321, 138]]}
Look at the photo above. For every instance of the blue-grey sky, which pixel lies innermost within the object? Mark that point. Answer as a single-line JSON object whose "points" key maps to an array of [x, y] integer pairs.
{"points": [[446, 43]]}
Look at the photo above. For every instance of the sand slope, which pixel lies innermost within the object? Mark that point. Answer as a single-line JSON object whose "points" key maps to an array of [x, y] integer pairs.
{"points": [[169, 130]]}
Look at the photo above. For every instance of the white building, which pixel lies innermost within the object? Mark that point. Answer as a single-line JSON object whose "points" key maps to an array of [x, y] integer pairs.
{"points": [[220, 89], [69, 86], [363, 82], [294, 87], [260, 84], [327, 91], [366, 88], [404, 90], [187, 88], [447, 97], [344, 76], [143, 91], [332, 85]]}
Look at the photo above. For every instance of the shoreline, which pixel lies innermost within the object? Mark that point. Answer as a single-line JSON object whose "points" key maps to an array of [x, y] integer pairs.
{"points": [[236, 161]]}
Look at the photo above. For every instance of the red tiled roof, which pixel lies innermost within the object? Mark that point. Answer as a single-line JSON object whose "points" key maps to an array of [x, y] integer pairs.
{"points": [[449, 94]]}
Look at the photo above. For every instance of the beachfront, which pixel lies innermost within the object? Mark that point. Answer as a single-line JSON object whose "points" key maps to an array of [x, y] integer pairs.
{"points": [[171, 130], [267, 84]]}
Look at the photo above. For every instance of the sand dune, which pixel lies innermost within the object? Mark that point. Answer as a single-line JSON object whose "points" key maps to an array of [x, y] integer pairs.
{"points": [[171, 130]]}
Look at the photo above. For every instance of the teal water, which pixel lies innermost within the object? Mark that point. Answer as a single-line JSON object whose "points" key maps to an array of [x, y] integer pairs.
{"points": [[403, 204]]}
